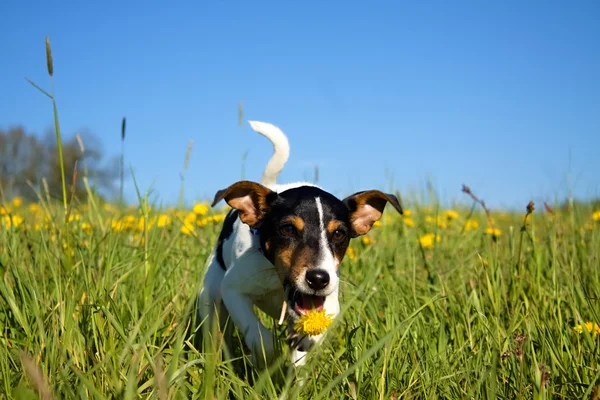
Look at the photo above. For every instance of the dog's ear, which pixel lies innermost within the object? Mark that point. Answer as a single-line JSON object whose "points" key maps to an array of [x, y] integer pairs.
{"points": [[367, 207], [251, 199]]}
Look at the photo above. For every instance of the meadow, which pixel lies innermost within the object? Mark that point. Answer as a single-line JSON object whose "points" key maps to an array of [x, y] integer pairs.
{"points": [[97, 301], [437, 303]]}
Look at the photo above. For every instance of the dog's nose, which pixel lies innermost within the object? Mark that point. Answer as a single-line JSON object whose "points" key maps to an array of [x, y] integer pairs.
{"points": [[317, 279]]}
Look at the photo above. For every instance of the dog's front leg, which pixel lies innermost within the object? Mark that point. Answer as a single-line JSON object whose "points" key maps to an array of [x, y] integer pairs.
{"points": [[250, 276]]}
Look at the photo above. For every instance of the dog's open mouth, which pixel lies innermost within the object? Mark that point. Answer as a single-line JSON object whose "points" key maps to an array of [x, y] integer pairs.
{"points": [[303, 303]]}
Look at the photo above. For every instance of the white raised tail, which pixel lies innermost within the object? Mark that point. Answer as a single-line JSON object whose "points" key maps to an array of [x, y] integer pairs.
{"points": [[281, 150]]}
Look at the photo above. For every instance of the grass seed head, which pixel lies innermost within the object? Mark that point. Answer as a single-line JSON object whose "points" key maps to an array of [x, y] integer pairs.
{"points": [[49, 57]]}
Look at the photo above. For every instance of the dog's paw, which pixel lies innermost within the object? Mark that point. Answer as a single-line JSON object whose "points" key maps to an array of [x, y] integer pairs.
{"points": [[261, 344]]}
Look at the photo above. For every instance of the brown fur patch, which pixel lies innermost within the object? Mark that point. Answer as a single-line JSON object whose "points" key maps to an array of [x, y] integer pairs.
{"points": [[249, 198], [296, 221], [292, 262], [303, 260], [368, 207], [283, 261], [333, 225]]}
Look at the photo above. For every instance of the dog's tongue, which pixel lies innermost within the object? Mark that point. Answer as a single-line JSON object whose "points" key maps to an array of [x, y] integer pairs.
{"points": [[307, 302]]}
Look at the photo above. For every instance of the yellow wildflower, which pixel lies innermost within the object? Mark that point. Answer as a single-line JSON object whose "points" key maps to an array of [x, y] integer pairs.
{"points": [[190, 217], [493, 232], [440, 222], [187, 228], [201, 208], [591, 327], [471, 224], [351, 253], [377, 224], [596, 215], [17, 201], [427, 239], [33, 208], [409, 222], [203, 221], [406, 213], [367, 240], [163, 220], [218, 218], [313, 323], [451, 214], [13, 221], [86, 227], [4, 211]]}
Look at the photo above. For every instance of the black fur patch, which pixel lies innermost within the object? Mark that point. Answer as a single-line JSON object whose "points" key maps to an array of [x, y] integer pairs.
{"points": [[230, 219], [305, 245]]}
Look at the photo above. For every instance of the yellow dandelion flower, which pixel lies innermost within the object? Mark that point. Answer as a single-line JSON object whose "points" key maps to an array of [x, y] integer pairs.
{"points": [[406, 213], [427, 240], [203, 221], [409, 222], [14, 221], [351, 253], [451, 215], [471, 224], [377, 224], [68, 249], [145, 224], [367, 240], [439, 221], [201, 208], [494, 231], [17, 201], [190, 217], [129, 222], [163, 220], [219, 218], [591, 327], [116, 225], [313, 323], [33, 208], [596, 215], [86, 227], [187, 228], [4, 210]]}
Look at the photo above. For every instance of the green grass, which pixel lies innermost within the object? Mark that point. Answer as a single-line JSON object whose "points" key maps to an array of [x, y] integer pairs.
{"points": [[103, 313]]}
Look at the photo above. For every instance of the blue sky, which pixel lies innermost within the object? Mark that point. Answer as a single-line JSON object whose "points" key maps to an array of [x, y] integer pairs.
{"points": [[503, 96]]}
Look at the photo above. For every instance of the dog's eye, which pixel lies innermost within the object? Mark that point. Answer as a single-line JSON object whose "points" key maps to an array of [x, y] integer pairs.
{"points": [[339, 234], [287, 230]]}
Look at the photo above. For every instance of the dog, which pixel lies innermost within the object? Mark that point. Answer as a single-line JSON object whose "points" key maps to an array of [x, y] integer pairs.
{"points": [[282, 242]]}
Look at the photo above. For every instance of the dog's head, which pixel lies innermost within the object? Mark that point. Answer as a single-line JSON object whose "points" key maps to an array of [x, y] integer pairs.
{"points": [[304, 232]]}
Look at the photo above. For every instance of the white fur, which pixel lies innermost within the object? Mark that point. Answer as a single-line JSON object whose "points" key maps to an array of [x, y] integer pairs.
{"points": [[327, 262], [250, 279], [281, 150]]}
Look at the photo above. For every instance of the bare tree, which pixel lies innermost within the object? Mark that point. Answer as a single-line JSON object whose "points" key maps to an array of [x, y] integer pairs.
{"points": [[26, 158]]}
